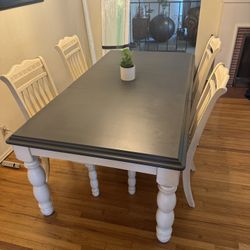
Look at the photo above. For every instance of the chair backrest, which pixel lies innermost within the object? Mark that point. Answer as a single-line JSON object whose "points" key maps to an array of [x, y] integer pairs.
{"points": [[71, 51], [212, 49], [215, 87], [31, 85]]}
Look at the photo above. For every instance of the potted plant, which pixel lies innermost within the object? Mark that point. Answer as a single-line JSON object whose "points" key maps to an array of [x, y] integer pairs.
{"points": [[127, 67]]}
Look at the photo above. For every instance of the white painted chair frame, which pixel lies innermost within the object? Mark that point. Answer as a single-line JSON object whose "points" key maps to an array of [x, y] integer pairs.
{"points": [[214, 89], [72, 54], [31, 85], [33, 88], [212, 49]]}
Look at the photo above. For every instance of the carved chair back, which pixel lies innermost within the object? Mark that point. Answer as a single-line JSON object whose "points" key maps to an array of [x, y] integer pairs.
{"points": [[72, 54], [31, 85], [211, 50], [214, 89]]}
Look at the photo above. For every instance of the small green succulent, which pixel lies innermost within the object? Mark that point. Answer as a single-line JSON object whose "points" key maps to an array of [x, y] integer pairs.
{"points": [[127, 61]]}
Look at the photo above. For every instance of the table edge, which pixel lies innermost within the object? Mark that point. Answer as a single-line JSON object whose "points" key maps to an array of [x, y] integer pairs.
{"points": [[118, 155], [115, 154]]}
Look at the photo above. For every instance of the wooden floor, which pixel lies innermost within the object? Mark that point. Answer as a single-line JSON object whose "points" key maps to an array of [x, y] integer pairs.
{"points": [[116, 220]]}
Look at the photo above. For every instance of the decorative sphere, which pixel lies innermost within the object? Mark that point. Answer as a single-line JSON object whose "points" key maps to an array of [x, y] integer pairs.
{"points": [[161, 28]]}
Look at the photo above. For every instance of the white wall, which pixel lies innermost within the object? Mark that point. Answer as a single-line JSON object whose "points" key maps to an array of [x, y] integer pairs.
{"points": [[235, 13], [209, 23], [33, 30]]}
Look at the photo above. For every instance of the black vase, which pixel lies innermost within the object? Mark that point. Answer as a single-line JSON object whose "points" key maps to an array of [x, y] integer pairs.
{"points": [[161, 28]]}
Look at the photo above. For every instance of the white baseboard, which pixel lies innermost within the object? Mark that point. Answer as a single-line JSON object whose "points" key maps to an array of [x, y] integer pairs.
{"points": [[5, 154]]}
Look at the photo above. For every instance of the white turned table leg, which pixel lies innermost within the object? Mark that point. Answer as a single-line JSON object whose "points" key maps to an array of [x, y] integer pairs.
{"points": [[46, 166], [93, 180], [37, 178], [168, 181], [131, 182]]}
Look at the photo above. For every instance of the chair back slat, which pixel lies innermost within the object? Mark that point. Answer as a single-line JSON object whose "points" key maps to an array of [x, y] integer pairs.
{"points": [[75, 65], [73, 68], [31, 85], [33, 99], [32, 81], [215, 87], [81, 62], [71, 51], [42, 92], [212, 49], [47, 89], [28, 102], [38, 96]]}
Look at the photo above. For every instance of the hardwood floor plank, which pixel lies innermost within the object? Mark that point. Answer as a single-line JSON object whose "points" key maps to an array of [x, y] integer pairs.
{"points": [[10, 246]]}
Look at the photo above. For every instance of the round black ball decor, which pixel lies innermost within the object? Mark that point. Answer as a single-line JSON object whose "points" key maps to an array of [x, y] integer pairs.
{"points": [[161, 28]]}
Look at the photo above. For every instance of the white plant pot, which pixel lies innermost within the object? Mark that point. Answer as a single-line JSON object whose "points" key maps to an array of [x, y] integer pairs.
{"points": [[127, 74]]}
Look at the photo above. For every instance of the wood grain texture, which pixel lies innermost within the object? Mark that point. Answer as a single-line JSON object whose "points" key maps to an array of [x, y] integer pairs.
{"points": [[118, 221]]}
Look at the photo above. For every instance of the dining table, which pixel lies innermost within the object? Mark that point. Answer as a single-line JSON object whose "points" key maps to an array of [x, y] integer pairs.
{"points": [[140, 126]]}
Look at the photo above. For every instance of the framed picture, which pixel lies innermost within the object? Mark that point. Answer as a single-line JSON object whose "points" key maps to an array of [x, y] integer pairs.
{"points": [[7, 4]]}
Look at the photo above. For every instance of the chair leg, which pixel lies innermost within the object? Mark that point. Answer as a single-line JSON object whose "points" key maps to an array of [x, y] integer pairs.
{"points": [[131, 182], [46, 166], [193, 168], [187, 187], [93, 180]]}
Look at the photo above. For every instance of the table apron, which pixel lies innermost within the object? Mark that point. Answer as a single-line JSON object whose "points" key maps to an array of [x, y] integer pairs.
{"points": [[95, 161]]}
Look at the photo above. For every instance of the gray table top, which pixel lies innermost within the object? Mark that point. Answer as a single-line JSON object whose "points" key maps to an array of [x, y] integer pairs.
{"points": [[144, 121]]}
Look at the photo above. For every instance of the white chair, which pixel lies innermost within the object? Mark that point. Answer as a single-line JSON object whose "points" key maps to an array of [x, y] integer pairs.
{"points": [[215, 87], [72, 54], [212, 49], [33, 88]]}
